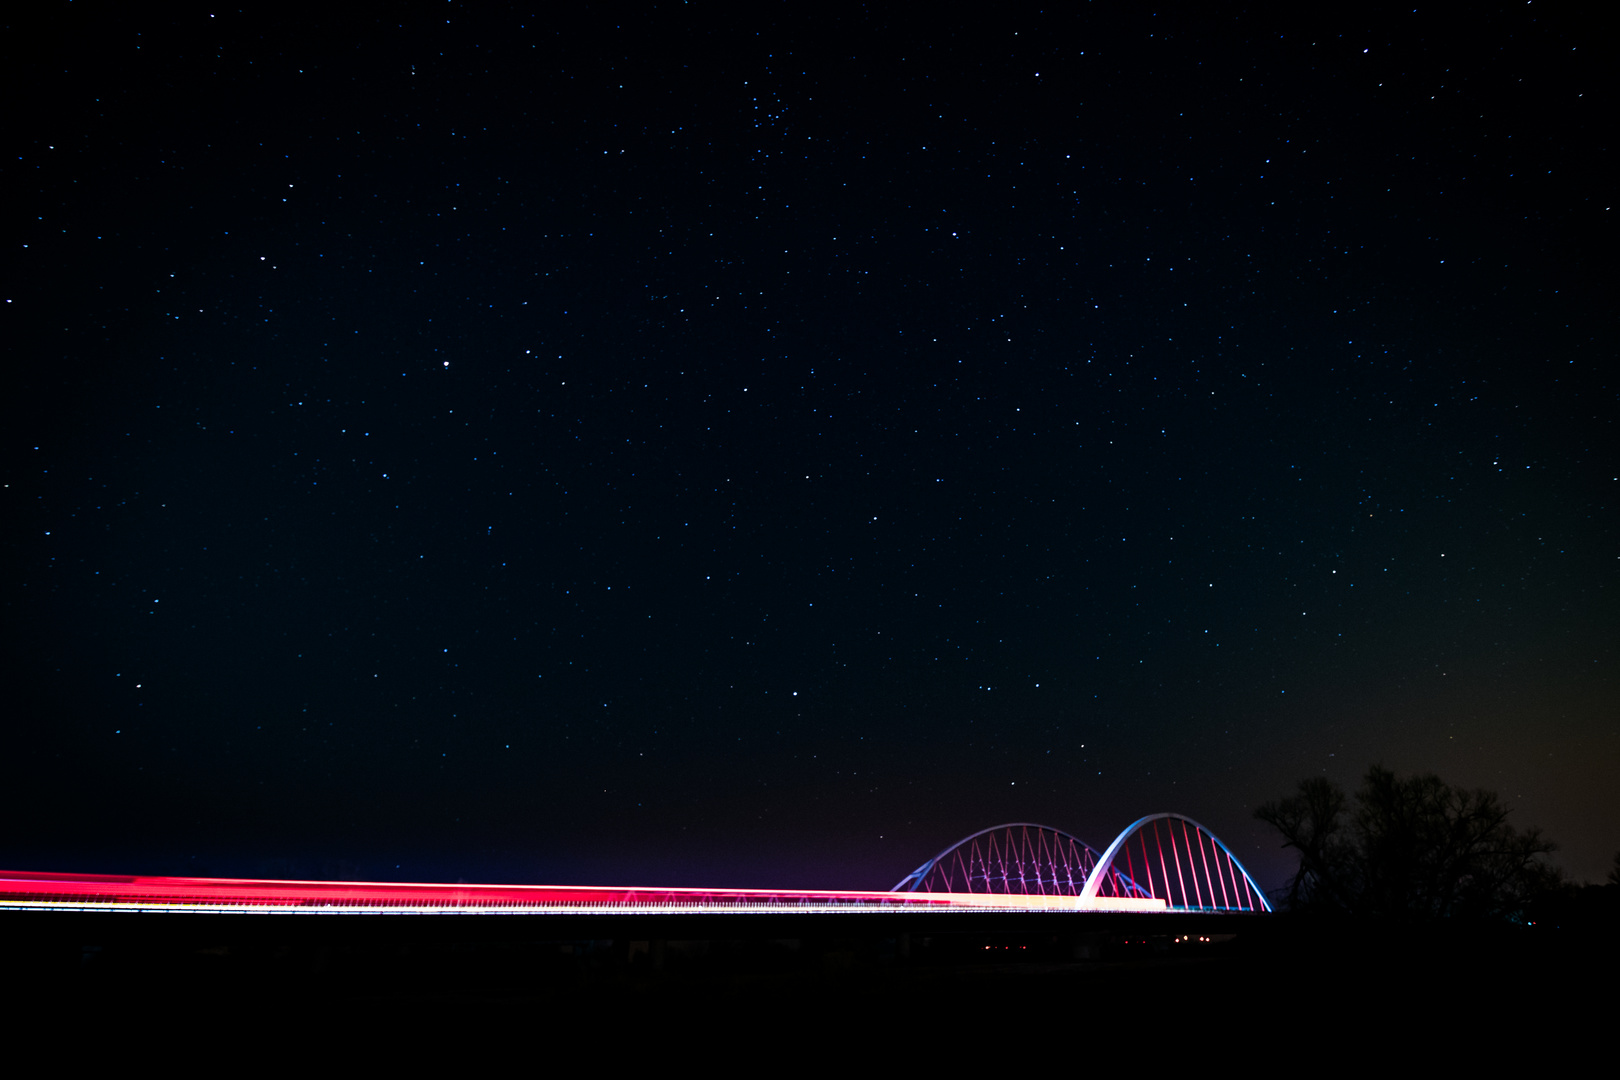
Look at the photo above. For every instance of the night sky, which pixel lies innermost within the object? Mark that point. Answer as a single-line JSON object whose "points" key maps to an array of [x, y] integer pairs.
{"points": [[758, 445]]}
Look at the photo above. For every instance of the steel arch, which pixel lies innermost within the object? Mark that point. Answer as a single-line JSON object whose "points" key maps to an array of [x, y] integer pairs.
{"points": [[1225, 885], [1007, 859]]}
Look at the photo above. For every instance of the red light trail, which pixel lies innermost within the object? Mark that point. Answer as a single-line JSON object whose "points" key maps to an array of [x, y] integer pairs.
{"points": [[85, 892]]}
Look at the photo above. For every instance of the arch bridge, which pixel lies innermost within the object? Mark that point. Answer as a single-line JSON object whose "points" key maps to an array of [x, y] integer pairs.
{"points": [[1162, 862]]}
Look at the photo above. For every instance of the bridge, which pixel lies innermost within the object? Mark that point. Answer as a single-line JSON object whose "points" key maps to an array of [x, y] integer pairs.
{"points": [[1160, 863], [1196, 872]]}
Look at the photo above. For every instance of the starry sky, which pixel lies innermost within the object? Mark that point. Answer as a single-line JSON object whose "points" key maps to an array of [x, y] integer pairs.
{"points": [[685, 444]]}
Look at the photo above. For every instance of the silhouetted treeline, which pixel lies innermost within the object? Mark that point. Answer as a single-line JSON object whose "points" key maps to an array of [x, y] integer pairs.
{"points": [[1410, 849]]}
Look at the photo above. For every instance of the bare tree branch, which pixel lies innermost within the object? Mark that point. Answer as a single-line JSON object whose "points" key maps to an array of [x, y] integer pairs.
{"points": [[1414, 848]]}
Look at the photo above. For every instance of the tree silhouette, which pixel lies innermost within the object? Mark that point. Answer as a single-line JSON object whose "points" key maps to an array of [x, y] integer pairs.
{"points": [[1411, 849]]}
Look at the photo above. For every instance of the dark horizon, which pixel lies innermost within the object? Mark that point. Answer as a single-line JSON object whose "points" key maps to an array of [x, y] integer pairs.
{"points": [[675, 448]]}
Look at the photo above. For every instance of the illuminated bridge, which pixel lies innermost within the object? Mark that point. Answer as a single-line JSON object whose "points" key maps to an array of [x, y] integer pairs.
{"points": [[1161, 863]]}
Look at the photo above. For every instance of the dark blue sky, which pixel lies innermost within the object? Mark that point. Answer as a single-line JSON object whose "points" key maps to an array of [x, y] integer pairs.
{"points": [[669, 447]]}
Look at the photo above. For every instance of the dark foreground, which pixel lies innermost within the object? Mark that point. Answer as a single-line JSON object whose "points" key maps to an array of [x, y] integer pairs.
{"points": [[1132, 988]]}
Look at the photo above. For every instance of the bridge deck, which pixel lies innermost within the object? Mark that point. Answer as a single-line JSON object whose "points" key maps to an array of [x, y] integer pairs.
{"points": [[85, 892]]}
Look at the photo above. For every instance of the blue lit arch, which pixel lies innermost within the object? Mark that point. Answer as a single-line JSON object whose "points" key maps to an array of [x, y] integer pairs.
{"points": [[1173, 858], [1018, 858]]}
